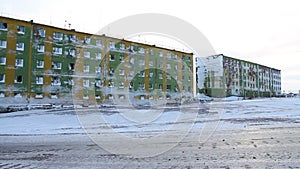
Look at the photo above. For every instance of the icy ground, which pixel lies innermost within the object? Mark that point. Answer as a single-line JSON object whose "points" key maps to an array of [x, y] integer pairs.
{"points": [[259, 133]]}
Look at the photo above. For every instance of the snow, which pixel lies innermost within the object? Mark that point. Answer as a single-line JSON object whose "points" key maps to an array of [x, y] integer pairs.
{"points": [[237, 113]]}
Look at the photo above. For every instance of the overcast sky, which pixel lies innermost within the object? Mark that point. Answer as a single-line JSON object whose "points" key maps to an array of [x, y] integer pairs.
{"points": [[265, 32]]}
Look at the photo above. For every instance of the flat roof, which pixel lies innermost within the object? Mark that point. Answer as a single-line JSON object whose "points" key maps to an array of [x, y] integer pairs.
{"points": [[103, 35]]}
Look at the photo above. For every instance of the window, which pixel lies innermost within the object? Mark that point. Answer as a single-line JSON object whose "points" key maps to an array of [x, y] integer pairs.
{"points": [[150, 85], [168, 66], [141, 85], [86, 83], [87, 54], [2, 78], [121, 85], [97, 69], [21, 29], [98, 42], [141, 50], [87, 40], [19, 62], [98, 55], [39, 80], [71, 38], [20, 46], [70, 82], [19, 79], [131, 85], [56, 65], [176, 67], [112, 45], [151, 63], [39, 64], [71, 66], [122, 46], [72, 52], [131, 60], [132, 47], [57, 50], [112, 57], [2, 44], [86, 68], [168, 55], [111, 84], [57, 36], [98, 83], [160, 54], [111, 71], [2, 94], [3, 26], [56, 81], [121, 58], [39, 96], [142, 74], [2, 60], [121, 72], [160, 76], [141, 62], [41, 48], [175, 56], [151, 74], [42, 33], [168, 77], [168, 87]]}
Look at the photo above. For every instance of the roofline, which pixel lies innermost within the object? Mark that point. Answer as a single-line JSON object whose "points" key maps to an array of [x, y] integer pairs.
{"points": [[97, 35], [245, 61]]}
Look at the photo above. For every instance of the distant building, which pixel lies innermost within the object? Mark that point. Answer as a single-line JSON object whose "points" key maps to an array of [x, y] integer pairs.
{"points": [[226, 76], [49, 64]]}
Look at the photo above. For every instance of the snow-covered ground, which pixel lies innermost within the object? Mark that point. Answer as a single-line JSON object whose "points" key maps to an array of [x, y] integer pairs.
{"points": [[232, 121]]}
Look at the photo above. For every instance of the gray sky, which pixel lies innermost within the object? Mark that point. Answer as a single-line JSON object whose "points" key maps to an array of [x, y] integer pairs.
{"points": [[265, 32]]}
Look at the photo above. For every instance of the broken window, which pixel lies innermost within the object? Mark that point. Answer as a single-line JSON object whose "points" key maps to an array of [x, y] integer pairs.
{"points": [[141, 85], [72, 52], [71, 66], [111, 71], [111, 84], [112, 57], [3, 26], [142, 74], [19, 79], [150, 85], [2, 78]]}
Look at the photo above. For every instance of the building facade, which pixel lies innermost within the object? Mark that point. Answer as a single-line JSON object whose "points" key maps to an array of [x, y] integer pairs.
{"points": [[226, 76], [41, 63]]}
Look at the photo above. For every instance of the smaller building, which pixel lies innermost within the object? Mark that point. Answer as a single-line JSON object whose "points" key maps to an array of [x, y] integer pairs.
{"points": [[227, 76]]}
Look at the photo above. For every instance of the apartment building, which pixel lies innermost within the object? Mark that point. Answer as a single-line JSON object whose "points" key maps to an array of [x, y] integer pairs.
{"points": [[42, 63], [226, 76]]}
